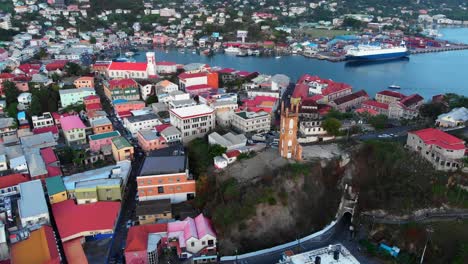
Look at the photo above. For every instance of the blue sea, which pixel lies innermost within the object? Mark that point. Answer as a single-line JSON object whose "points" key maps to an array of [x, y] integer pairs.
{"points": [[427, 74]]}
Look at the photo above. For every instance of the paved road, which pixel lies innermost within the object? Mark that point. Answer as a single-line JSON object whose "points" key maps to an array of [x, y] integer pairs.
{"points": [[423, 218], [338, 234], [115, 254]]}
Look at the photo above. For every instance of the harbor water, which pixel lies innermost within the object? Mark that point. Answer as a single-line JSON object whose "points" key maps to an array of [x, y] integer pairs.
{"points": [[427, 74]]}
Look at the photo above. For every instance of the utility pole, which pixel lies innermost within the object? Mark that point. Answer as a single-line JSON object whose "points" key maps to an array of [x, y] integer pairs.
{"points": [[236, 256], [429, 231]]}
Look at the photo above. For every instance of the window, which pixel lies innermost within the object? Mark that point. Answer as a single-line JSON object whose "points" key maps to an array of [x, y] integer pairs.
{"points": [[160, 189], [192, 244]]}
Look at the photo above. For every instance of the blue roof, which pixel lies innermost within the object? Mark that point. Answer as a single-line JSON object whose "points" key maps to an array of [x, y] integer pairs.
{"points": [[119, 101], [21, 115]]}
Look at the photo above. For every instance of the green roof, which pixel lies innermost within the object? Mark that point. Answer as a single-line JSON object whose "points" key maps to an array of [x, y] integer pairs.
{"points": [[55, 185], [104, 135], [121, 142]]}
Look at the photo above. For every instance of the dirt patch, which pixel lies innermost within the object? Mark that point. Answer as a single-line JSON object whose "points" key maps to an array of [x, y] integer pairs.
{"points": [[263, 163]]}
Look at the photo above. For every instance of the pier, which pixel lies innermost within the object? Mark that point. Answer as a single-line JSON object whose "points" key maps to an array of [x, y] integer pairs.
{"points": [[439, 49]]}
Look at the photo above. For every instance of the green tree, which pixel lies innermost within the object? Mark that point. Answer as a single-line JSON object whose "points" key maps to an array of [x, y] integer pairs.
{"points": [[379, 121], [151, 99], [35, 108], [56, 77], [92, 40], [12, 110], [216, 150], [73, 69], [432, 110], [11, 92], [332, 126]]}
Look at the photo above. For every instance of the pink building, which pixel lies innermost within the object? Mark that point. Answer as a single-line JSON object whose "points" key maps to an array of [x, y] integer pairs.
{"points": [[150, 140], [124, 105], [190, 237], [98, 141], [160, 39]]}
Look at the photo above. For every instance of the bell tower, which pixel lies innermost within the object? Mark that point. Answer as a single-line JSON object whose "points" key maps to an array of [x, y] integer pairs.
{"points": [[151, 64], [288, 145]]}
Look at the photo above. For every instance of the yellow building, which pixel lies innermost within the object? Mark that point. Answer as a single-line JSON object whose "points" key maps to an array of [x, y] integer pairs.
{"points": [[40, 247], [98, 190], [149, 212], [121, 149], [56, 189]]}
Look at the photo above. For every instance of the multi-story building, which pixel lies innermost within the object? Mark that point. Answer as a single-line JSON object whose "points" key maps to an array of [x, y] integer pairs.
{"points": [[457, 117], [122, 105], [73, 130], [45, 120], [75, 96], [350, 101], [150, 211], [165, 175], [407, 108], [101, 125], [56, 190], [85, 81], [121, 149], [32, 206], [99, 142], [375, 107], [98, 190], [127, 89], [288, 145], [199, 78], [245, 122], [310, 87], [443, 150], [194, 121], [388, 97], [136, 123], [9, 183]]}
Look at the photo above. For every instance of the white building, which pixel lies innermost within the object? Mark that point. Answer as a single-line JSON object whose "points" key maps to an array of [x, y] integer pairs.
{"points": [[193, 121], [135, 70], [136, 123], [32, 205], [251, 121], [454, 118], [230, 141], [45, 120]]}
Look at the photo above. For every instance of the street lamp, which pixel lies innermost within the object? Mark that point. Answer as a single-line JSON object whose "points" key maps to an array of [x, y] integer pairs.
{"points": [[236, 256]]}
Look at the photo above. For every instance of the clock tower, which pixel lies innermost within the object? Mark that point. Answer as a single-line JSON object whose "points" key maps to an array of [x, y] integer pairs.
{"points": [[288, 145]]}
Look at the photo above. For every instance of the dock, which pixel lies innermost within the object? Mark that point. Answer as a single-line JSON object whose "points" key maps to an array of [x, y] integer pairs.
{"points": [[438, 49]]}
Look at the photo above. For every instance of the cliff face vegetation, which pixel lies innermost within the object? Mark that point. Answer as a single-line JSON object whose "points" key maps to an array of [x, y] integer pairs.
{"points": [[290, 202], [394, 179]]}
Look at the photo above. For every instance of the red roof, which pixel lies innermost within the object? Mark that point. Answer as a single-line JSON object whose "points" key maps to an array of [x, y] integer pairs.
{"points": [[432, 136], [367, 110], [137, 237], [6, 75], [198, 87], [127, 66], [392, 94], [375, 104], [48, 155], [350, 97], [124, 114], [56, 65], [233, 153], [22, 78], [95, 106], [161, 127], [90, 97], [53, 171], [13, 179], [411, 100], [41, 130], [26, 68], [73, 219], [122, 83], [226, 70], [191, 75], [302, 88]]}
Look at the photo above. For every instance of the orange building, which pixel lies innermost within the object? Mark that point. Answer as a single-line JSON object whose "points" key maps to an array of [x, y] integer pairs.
{"points": [[40, 248], [164, 175], [213, 79], [102, 125], [84, 81], [288, 145]]}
